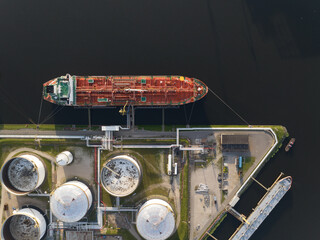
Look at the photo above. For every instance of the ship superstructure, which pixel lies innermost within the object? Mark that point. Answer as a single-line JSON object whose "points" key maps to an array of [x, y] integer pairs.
{"points": [[104, 91]]}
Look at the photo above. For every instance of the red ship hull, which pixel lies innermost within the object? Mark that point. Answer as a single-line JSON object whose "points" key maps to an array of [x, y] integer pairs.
{"points": [[103, 91]]}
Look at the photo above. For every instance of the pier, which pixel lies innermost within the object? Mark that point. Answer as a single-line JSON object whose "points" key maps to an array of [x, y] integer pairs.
{"points": [[268, 202]]}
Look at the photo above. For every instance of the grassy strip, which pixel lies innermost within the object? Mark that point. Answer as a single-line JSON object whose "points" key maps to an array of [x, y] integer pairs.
{"points": [[22, 141], [182, 232], [46, 127], [167, 128], [214, 228], [247, 163], [47, 183], [281, 132], [126, 234], [106, 198], [148, 141]]}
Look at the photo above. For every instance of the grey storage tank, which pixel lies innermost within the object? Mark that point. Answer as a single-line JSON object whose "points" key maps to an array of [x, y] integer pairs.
{"points": [[23, 174], [120, 175], [25, 224]]}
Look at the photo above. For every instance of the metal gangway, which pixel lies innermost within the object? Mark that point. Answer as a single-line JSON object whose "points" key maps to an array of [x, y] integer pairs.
{"points": [[242, 218]]}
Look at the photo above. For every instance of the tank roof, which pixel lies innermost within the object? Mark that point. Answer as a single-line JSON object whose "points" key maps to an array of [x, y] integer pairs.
{"points": [[155, 220], [23, 174], [64, 158], [25, 224], [120, 176], [23, 227], [71, 201]]}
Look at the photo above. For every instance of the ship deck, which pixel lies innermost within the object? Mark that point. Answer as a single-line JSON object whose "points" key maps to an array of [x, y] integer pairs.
{"points": [[134, 90]]}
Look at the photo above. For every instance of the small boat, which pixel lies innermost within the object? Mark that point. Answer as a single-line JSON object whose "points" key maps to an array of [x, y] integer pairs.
{"points": [[290, 144]]}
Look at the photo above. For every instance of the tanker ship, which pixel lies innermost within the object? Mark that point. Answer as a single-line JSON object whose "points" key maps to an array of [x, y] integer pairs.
{"points": [[109, 91]]}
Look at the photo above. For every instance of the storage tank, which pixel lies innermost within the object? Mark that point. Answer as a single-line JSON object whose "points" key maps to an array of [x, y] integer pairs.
{"points": [[26, 224], [23, 174], [169, 166], [71, 201], [120, 176], [155, 220], [64, 158]]}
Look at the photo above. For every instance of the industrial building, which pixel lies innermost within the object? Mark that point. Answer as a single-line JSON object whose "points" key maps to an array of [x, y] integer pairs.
{"points": [[71, 201], [234, 142], [25, 224], [64, 158], [120, 175], [23, 174], [155, 220]]}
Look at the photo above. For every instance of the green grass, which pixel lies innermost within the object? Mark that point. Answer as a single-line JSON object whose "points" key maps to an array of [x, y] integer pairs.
{"points": [[126, 235], [167, 128], [151, 157], [47, 183], [219, 126], [159, 191], [45, 127], [214, 228], [107, 199], [222, 196], [182, 232], [219, 163], [54, 149], [281, 132], [247, 163], [149, 141], [26, 141], [92, 216]]}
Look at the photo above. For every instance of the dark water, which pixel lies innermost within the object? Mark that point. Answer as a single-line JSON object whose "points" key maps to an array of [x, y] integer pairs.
{"points": [[260, 56]]}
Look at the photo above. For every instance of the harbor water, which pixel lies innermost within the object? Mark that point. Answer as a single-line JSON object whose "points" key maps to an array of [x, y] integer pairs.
{"points": [[261, 57]]}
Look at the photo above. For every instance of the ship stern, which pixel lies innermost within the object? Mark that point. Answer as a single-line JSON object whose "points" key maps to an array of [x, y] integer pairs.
{"points": [[49, 91], [59, 90]]}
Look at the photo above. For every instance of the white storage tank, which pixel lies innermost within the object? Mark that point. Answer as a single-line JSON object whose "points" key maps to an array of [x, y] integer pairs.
{"points": [[26, 224], [120, 176], [169, 166], [64, 158], [71, 201], [23, 174], [155, 220]]}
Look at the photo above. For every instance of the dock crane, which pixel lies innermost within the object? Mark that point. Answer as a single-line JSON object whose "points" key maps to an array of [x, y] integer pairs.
{"points": [[123, 111]]}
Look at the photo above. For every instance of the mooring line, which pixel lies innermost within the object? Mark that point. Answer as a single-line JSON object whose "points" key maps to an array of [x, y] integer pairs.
{"points": [[52, 115], [191, 113], [40, 110], [228, 106], [6, 98]]}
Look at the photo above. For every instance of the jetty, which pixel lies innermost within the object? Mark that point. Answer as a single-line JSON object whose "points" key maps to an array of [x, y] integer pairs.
{"points": [[268, 202]]}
